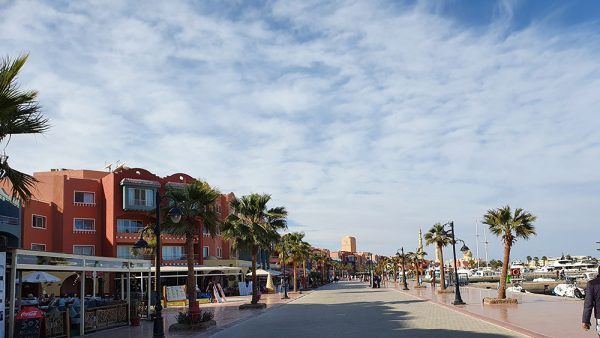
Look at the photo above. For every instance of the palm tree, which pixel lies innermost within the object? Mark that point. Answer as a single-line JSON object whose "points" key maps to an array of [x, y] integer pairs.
{"points": [[196, 202], [252, 226], [297, 249], [536, 260], [335, 266], [544, 259], [19, 114], [502, 222], [412, 259], [320, 261], [440, 237], [529, 259]]}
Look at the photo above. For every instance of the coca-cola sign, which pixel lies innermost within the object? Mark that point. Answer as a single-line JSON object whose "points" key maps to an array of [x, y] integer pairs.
{"points": [[30, 312]]}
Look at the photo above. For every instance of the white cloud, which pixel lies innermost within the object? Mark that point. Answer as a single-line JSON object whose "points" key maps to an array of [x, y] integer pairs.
{"points": [[361, 118]]}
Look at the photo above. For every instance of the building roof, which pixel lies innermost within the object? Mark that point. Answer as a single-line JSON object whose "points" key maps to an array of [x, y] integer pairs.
{"points": [[139, 182]]}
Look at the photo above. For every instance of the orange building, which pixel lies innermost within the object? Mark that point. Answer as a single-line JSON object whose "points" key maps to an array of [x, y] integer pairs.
{"points": [[102, 213]]}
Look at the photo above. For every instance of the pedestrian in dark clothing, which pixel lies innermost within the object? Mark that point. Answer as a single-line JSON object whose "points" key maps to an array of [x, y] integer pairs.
{"points": [[592, 301]]}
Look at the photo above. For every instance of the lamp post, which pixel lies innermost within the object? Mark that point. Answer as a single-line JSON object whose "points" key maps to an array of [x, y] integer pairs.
{"points": [[175, 215], [404, 285], [285, 294], [457, 298]]}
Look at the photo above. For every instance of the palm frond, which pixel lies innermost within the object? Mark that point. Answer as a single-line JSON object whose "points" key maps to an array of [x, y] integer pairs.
{"points": [[21, 183]]}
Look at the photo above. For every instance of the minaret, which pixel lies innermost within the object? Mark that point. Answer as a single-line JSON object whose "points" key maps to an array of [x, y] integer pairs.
{"points": [[420, 248]]}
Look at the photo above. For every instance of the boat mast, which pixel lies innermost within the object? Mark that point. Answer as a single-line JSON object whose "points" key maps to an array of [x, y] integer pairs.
{"points": [[477, 245], [485, 241]]}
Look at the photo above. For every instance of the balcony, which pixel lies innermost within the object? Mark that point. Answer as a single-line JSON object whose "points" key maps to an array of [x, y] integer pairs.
{"points": [[9, 221], [181, 257]]}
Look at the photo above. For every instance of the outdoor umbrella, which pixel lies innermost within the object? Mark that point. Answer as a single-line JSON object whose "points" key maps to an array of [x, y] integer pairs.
{"points": [[261, 272], [40, 277]]}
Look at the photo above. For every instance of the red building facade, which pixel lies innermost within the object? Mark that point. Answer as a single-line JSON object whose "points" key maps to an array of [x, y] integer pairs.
{"points": [[102, 213]]}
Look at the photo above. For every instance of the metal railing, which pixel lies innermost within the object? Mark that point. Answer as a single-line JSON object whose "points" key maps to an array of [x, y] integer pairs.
{"points": [[9, 221]]}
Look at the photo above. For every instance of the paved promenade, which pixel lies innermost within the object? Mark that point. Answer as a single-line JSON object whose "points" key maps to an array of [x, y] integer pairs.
{"points": [[535, 315], [351, 309], [226, 314]]}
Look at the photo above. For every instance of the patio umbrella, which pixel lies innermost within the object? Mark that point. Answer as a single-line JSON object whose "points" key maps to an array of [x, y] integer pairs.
{"points": [[270, 287], [261, 272], [40, 277]]}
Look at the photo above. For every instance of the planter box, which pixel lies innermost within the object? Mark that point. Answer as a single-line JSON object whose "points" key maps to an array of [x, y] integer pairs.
{"points": [[191, 327], [253, 306]]}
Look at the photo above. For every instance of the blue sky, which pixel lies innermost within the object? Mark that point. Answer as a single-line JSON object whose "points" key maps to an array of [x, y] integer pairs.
{"points": [[365, 118]]}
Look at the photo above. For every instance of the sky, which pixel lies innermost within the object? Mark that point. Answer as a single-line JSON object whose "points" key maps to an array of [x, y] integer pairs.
{"points": [[366, 118]]}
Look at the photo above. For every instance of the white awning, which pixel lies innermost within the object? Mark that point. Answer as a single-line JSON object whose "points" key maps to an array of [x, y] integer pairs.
{"points": [[200, 268]]}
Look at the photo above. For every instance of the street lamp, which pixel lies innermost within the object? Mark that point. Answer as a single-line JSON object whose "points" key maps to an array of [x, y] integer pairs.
{"points": [[404, 285], [285, 294], [457, 299], [175, 216]]}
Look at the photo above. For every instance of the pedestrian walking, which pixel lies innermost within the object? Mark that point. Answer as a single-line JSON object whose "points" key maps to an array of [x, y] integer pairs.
{"points": [[592, 301]]}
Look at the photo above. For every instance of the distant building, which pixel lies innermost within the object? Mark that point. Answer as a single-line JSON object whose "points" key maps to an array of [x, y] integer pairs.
{"points": [[349, 244]]}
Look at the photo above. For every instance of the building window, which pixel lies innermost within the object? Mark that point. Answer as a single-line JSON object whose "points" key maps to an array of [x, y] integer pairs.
{"points": [[84, 197], [84, 224], [140, 197], [171, 253], [87, 250], [219, 252], [205, 231], [124, 251], [38, 221], [205, 251], [129, 225], [38, 247]]}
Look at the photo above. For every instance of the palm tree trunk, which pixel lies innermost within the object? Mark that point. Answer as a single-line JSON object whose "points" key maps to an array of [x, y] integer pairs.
{"points": [[295, 278], [305, 279], [254, 278], [191, 278], [417, 271], [442, 270], [502, 288]]}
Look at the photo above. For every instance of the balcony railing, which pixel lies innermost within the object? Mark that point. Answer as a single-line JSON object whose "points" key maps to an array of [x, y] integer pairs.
{"points": [[181, 257], [132, 229], [9, 221]]}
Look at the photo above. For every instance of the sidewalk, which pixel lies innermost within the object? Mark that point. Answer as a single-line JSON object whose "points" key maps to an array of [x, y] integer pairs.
{"points": [[535, 315], [226, 314]]}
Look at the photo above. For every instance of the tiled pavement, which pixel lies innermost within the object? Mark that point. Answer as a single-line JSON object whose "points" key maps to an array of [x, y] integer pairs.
{"points": [[535, 315], [352, 310], [226, 314], [353, 306]]}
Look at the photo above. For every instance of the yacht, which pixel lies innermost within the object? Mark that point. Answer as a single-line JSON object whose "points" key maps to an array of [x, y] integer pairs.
{"points": [[570, 265]]}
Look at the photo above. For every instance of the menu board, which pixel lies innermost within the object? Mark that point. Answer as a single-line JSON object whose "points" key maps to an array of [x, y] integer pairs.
{"points": [[2, 291], [28, 323], [175, 293]]}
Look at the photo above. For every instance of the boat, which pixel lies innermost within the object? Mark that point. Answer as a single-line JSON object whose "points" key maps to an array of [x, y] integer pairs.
{"points": [[569, 289], [517, 288], [541, 279], [486, 273], [569, 265], [588, 276]]}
